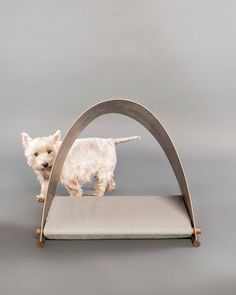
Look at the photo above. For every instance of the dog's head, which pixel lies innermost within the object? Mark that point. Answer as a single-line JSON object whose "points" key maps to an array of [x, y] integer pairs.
{"points": [[41, 151]]}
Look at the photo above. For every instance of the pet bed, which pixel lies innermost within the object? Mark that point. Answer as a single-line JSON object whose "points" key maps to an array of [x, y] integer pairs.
{"points": [[118, 217]]}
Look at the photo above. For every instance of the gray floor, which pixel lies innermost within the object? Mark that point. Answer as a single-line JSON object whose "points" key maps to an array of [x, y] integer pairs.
{"points": [[176, 57], [123, 266]]}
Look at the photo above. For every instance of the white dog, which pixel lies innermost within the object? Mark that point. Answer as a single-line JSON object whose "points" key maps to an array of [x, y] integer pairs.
{"points": [[88, 158]]}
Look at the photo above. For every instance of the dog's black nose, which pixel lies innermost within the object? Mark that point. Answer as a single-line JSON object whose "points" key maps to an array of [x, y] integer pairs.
{"points": [[45, 165]]}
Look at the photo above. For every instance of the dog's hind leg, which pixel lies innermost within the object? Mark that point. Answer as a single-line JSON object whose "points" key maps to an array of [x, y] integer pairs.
{"points": [[100, 187]]}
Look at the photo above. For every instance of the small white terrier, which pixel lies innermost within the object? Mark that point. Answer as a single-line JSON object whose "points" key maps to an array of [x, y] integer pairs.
{"points": [[88, 158]]}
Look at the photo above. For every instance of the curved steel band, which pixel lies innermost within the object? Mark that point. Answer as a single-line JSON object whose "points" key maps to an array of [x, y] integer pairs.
{"points": [[143, 116]]}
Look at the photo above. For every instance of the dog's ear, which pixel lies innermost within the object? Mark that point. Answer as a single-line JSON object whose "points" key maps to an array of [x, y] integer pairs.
{"points": [[56, 136], [26, 139]]}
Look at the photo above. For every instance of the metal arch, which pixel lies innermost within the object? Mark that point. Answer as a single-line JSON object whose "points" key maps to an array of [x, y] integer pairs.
{"points": [[137, 112]]}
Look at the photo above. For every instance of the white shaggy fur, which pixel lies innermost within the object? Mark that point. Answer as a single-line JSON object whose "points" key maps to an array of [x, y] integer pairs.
{"points": [[88, 158]]}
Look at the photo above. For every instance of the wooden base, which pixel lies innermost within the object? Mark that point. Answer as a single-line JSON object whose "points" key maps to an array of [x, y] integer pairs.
{"points": [[196, 242], [40, 244]]}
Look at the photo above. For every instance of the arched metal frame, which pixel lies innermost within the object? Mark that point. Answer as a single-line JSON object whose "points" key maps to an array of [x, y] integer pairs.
{"points": [[142, 115]]}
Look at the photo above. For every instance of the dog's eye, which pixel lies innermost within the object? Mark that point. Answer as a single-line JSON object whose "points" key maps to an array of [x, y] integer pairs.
{"points": [[36, 154], [49, 151]]}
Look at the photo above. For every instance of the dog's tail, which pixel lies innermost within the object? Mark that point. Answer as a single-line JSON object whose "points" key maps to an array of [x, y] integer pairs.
{"points": [[125, 139]]}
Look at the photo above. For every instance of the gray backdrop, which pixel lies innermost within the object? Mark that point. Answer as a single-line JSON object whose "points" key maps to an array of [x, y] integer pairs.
{"points": [[58, 58]]}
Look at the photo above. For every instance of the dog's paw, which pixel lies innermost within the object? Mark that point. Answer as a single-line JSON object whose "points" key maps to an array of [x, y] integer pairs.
{"points": [[111, 186], [93, 194], [96, 193], [40, 198]]}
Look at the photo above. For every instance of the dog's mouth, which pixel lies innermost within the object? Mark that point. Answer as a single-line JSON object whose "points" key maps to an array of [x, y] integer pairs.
{"points": [[45, 169]]}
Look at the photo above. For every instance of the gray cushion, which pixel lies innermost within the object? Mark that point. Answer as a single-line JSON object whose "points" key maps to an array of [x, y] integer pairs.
{"points": [[114, 217]]}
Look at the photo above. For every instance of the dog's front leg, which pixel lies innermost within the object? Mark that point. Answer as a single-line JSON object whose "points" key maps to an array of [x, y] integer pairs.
{"points": [[43, 192]]}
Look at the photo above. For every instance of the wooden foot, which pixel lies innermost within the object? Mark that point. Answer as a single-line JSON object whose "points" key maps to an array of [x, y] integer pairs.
{"points": [[38, 231], [196, 242], [197, 230], [195, 237], [40, 244]]}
